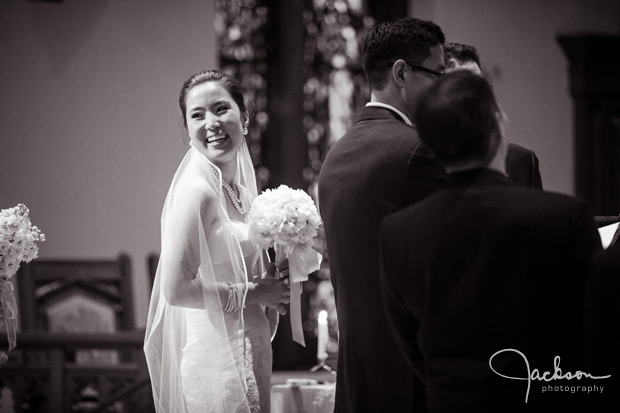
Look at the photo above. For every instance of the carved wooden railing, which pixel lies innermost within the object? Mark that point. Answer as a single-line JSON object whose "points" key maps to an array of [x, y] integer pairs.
{"points": [[41, 378]]}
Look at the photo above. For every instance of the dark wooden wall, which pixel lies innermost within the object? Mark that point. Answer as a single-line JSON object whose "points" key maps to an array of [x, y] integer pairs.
{"points": [[594, 66]]}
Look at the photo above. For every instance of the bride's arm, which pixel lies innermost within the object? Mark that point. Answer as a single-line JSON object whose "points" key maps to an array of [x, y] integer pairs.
{"points": [[195, 206]]}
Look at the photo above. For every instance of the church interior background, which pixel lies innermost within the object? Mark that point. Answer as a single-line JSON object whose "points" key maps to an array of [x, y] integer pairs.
{"points": [[300, 61], [260, 42]]}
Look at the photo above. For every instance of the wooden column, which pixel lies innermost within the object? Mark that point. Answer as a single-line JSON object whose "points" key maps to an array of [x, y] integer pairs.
{"points": [[285, 141], [594, 66], [285, 144]]}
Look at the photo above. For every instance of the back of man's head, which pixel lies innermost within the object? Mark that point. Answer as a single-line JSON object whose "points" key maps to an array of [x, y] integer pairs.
{"points": [[405, 38], [460, 53], [458, 117]]}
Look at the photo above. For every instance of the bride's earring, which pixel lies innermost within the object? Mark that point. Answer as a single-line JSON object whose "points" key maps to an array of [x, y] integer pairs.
{"points": [[246, 121]]}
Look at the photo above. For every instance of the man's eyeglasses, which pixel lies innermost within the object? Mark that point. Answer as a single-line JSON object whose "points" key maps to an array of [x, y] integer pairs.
{"points": [[425, 69]]}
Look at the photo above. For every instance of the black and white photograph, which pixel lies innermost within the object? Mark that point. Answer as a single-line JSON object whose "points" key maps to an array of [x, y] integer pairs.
{"points": [[309, 206]]}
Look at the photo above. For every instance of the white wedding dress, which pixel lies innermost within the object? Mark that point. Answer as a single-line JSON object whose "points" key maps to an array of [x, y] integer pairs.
{"points": [[203, 384], [200, 357]]}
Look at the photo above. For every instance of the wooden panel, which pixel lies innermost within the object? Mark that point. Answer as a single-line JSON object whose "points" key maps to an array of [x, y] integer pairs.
{"points": [[594, 64], [56, 385], [43, 284]]}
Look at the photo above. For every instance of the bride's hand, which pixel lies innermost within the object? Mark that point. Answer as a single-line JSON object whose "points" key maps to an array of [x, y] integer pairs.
{"points": [[279, 272], [283, 270], [270, 291]]}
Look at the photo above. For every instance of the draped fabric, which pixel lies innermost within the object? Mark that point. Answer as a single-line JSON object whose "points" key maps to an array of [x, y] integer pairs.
{"points": [[194, 349]]}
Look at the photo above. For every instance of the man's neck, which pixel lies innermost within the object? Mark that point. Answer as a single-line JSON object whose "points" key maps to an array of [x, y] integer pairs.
{"points": [[391, 96], [453, 169], [497, 164]]}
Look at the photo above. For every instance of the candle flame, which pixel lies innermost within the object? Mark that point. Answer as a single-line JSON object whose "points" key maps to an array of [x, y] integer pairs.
{"points": [[322, 315]]}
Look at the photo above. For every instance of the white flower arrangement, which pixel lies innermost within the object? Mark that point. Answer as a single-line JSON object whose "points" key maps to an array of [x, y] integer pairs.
{"points": [[283, 217], [18, 243], [287, 220], [18, 238]]}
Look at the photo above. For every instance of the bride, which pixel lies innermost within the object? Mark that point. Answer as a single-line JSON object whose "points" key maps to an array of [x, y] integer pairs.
{"points": [[214, 306]]}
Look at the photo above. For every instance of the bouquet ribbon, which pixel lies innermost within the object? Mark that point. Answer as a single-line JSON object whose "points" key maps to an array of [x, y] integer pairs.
{"points": [[301, 261], [9, 311]]}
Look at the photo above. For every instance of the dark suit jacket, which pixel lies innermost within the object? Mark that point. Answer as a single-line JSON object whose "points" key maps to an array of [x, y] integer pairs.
{"points": [[377, 167], [522, 166], [482, 266], [602, 326]]}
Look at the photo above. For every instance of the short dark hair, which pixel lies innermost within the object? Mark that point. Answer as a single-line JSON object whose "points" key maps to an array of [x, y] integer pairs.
{"points": [[461, 53], [230, 83], [457, 117], [405, 38]]}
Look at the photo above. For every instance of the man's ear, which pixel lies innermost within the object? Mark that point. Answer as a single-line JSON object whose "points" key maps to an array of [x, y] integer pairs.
{"points": [[398, 70]]}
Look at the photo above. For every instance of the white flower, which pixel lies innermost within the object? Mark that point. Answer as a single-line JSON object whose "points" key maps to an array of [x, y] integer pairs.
{"points": [[18, 238], [284, 216]]}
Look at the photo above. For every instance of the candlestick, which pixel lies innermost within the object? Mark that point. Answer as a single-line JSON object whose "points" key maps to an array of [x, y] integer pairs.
{"points": [[323, 337]]}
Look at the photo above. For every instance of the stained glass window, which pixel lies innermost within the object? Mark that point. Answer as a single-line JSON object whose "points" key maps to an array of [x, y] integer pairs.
{"points": [[241, 27]]}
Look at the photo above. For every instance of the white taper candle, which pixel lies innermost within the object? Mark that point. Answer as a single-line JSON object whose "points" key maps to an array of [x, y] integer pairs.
{"points": [[323, 336]]}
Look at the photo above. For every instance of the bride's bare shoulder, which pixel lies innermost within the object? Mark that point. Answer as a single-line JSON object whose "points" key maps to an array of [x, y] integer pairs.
{"points": [[197, 194]]}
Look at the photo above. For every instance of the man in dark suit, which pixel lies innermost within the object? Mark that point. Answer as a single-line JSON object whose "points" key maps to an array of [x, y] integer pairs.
{"points": [[483, 280], [602, 326], [377, 167], [521, 163]]}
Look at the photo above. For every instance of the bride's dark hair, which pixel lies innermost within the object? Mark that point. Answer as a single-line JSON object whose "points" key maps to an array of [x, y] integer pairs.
{"points": [[230, 83]]}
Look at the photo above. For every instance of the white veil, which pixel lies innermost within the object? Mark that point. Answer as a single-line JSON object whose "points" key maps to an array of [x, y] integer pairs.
{"points": [[206, 254]]}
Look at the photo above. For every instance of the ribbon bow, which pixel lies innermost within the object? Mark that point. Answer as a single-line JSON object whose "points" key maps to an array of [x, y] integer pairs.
{"points": [[9, 311], [301, 261]]}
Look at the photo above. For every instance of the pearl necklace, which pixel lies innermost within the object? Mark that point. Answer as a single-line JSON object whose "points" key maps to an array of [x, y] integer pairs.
{"points": [[234, 199]]}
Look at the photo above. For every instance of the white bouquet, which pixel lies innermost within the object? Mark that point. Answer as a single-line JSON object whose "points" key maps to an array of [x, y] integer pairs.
{"points": [[287, 220], [284, 217], [18, 238]]}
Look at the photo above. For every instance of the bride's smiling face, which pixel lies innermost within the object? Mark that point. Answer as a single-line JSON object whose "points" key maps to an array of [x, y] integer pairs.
{"points": [[214, 122]]}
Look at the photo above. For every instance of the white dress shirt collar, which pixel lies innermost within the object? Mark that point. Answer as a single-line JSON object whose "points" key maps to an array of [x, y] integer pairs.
{"points": [[393, 109]]}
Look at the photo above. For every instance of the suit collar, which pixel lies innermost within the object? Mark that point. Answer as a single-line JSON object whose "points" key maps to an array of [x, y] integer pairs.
{"points": [[480, 177], [393, 109], [377, 113]]}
